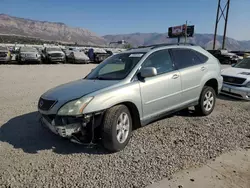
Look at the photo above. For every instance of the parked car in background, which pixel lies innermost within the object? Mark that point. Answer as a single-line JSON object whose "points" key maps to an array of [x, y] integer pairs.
{"points": [[78, 57], [236, 80], [225, 57], [240, 54], [28, 55], [129, 90], [246, 55], [109, 52], [5, 55], [54, 55], [68, 50], [14, 53], [97, 55]]}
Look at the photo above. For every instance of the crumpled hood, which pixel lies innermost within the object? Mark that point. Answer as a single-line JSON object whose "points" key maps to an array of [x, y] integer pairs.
{"points": [[236, 72], [76, 89]]}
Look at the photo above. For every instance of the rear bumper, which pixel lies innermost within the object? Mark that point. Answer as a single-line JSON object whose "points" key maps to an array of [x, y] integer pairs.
{"points": [[30, 60], [81, 61], [237, 92], [56, 59]]}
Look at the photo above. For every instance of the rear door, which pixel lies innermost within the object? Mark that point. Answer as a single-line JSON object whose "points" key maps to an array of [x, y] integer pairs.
{"points": [[192, 67], [161, 92]]}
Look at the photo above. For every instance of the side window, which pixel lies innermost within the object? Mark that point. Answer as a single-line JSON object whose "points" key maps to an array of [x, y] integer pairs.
{"points": [[202, 57], [160, 60], [184, 58]]}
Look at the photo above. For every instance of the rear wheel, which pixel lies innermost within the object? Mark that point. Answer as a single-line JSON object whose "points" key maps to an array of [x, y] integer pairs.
{"points": [[117, 128], [206, 102]]}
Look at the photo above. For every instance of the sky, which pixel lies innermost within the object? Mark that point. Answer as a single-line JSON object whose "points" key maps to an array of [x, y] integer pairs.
{"points": [[130, 16]]}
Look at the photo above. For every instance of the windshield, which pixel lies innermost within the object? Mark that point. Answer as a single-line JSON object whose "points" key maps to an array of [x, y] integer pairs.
{"points": [[53, 49], [28, 50], [243, 64], [117, 67]]}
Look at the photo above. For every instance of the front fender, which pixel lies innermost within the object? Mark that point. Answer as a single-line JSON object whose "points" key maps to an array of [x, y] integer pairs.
{"points": [[129, 93]]}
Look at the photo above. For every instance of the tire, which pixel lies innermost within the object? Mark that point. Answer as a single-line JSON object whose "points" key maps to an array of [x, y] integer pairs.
{"points": [[111, 129], [205, 108]]}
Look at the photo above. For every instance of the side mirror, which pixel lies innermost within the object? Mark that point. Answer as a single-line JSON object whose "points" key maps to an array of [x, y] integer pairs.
{"points": [[233, 64], [148, 72]]}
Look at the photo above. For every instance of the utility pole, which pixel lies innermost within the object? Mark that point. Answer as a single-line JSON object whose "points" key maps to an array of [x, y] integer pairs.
{"points": [[225, 27], [220, 13]]}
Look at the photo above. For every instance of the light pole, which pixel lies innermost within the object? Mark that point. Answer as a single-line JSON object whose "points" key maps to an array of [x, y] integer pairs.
{"points": [[186, 31]]}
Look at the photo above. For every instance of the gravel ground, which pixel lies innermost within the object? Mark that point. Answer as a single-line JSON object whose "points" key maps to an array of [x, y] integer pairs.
{"points": [[31, 156]]}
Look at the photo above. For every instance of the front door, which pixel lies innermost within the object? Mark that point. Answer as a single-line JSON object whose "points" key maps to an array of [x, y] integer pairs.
{"points": [[160, 93]]}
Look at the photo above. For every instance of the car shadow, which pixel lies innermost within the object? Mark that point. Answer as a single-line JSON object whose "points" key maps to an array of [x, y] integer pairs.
{"points": [[25, 132], [228, 98]]}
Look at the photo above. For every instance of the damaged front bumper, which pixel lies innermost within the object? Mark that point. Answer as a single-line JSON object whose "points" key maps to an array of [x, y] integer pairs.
{"points": [[64, 130], [81, 129]]}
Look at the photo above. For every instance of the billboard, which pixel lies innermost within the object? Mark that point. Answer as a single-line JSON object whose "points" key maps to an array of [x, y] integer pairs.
{"points": [[179, 31]]}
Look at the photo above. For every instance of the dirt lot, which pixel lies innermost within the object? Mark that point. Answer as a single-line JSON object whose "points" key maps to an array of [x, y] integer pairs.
{"points": [[31, 156]]}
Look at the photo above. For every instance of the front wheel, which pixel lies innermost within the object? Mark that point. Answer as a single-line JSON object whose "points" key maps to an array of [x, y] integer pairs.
{"points": [[206, 102], [117, 128]]}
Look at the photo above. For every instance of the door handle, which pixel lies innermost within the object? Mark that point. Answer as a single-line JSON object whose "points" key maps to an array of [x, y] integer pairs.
{"points": [[175, 76], [203, 68]]}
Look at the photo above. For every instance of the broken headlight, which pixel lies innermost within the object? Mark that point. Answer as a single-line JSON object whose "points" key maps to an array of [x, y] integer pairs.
{"points": [[75, 107]]}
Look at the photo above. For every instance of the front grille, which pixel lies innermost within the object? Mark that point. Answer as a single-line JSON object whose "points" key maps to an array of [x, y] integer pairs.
{"points": [[30, 55], [56, 55], [3, 54], [45, 104], [233, 80]]}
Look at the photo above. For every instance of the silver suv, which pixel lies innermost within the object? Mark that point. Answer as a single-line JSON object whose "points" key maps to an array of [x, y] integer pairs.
{"points": [[129, 90]]}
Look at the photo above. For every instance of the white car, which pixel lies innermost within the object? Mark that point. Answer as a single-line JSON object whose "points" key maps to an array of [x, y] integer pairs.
{"points": [[236, 80], [78, 57]]}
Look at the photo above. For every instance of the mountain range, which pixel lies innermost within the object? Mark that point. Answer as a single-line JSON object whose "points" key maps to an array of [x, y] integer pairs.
{"points": [[204, 40], [60, 32], [47, 31]]}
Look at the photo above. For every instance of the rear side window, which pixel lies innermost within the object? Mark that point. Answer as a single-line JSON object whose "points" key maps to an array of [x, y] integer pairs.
{"points": [[184, 58], [202, 57]]}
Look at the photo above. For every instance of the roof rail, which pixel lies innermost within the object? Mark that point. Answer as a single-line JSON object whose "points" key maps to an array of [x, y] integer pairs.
{"points": [[170, 44], [163, 44]]}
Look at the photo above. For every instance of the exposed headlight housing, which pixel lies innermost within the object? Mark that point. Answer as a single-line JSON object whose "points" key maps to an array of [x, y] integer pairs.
{"points": [[75, 107]]}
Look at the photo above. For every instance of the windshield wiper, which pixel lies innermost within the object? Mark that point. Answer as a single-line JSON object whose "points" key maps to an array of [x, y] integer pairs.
{"points": [[102, 78], [98, 78]]}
